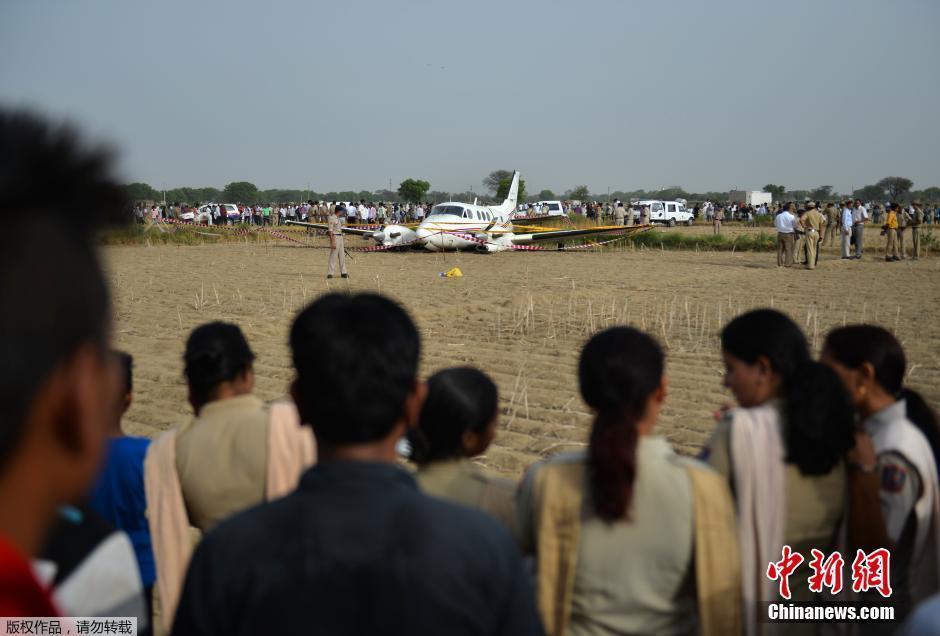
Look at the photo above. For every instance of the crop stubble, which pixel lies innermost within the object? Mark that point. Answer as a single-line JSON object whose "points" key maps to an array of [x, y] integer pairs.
{"points": [[521, 317]]}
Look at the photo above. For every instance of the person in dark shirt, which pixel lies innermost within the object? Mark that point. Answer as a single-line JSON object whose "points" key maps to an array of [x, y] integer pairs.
{"points": [[357, 548], [58, 384]]}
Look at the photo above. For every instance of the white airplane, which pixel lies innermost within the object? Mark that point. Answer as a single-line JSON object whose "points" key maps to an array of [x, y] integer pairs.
{"points": [[467, 226]]}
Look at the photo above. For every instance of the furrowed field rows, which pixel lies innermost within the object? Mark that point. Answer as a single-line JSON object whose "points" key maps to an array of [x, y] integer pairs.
{"points": [[521, 317]]}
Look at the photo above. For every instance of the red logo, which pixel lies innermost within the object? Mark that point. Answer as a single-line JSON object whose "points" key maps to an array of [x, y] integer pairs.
{"points": [[782, 569], [826, 572], [872, 570]]}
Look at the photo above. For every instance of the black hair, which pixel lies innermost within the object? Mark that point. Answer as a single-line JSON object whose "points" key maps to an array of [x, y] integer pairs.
{"points": [[126, 362], [459, 400], [618, 370], [216, 352], [818, 416], [55, 195], [854, 345], [356, 358]]}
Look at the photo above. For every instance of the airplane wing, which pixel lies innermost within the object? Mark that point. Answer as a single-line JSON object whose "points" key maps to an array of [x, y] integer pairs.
{"points": [[560, 235], [324, 227]]}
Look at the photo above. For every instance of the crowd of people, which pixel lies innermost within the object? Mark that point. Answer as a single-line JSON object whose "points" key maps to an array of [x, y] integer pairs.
{"points": [[362, 213], [311, 524], [802, 231]]}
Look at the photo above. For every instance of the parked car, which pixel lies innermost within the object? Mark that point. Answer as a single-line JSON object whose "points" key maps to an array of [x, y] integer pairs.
{"points": [[668, 213], [227, 211]]}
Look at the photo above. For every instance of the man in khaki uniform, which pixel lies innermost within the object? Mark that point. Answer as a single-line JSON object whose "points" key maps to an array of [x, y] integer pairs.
{"points": [[337, 244], [832, 224], [904, 221], [619, 214], [813, 222], [916, 221]]}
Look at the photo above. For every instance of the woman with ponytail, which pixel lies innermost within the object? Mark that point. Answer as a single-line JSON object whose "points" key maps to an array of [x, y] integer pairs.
{"points": [[629, 537], [896, 504], [782, 451], [458, 421]]}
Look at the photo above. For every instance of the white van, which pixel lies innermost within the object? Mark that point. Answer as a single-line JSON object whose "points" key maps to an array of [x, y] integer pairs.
{"points": [[667, 212], [552, 208]]}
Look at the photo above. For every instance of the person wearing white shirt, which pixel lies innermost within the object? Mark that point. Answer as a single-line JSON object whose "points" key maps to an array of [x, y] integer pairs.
{"points": [[859, 217], [848, 221], [363, 212], [351, 214], [785, 222]]}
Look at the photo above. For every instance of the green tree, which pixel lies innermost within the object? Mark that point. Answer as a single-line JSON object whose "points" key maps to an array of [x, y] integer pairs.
{"points": [[503, 190], [896, 187], [240, 192], [492, 181], [672, 192], [385, 195], [141, 192], [931, 194], [207, 195], [870, 193], [776, 190], [438, 197], [579, 193], [413, 190], [547, 195], [822, 193]]}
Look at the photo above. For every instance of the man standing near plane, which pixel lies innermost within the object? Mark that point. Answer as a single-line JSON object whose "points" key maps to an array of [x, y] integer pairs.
{"points": [[337, 244]]}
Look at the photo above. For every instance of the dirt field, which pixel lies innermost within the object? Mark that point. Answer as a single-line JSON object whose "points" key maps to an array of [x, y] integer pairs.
{"points": [[521, 317]]}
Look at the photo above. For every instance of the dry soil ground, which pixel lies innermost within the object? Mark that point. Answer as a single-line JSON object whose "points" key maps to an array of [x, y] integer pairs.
{"points": [[521, 316]]}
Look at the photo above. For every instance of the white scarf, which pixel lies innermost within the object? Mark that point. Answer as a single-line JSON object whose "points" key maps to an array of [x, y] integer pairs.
{"points": [[757, 453]]}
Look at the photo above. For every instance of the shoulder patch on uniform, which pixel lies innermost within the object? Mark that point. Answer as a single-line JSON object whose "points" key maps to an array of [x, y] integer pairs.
{"points": [[893, 478]]}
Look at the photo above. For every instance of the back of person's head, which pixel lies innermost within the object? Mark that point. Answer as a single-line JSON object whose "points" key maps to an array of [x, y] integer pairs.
{"points": [[126, 394], [619, 370], [819, 421], [55, 196], [126, 364], [461, 403], [216, 352], [876, 352], [356, 358]]}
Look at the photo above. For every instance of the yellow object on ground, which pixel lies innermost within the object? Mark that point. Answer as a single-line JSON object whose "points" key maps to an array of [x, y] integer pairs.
{"points": [[454, 273]]}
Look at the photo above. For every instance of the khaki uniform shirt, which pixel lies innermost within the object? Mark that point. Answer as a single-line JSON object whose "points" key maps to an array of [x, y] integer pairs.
{"points": [[221, 458], [335, 225], [813, 220], [461, 481], [814, 506], [633, 577]]}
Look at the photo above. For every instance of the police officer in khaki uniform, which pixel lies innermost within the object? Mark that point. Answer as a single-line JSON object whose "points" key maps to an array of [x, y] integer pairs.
{"points": [[337, 244], [832, 224], [904, 222], [916, 221], [813, 222], [619, 214]]}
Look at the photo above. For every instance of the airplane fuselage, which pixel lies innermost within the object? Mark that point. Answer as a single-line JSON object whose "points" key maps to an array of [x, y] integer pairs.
{"points": [[461, 226]]}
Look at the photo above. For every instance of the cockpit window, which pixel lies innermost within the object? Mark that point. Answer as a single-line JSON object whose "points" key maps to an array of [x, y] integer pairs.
{"points": [[446, 209]]}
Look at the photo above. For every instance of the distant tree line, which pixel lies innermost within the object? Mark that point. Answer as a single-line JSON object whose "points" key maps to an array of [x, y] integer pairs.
{"points": [[496, 185]]}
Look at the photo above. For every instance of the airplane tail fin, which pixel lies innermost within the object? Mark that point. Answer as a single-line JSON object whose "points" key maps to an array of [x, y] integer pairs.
{"points": [[508, 206]]}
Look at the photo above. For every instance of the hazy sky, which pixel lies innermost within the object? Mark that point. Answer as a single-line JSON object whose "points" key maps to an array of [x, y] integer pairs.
{"points": [[709, 95]]}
